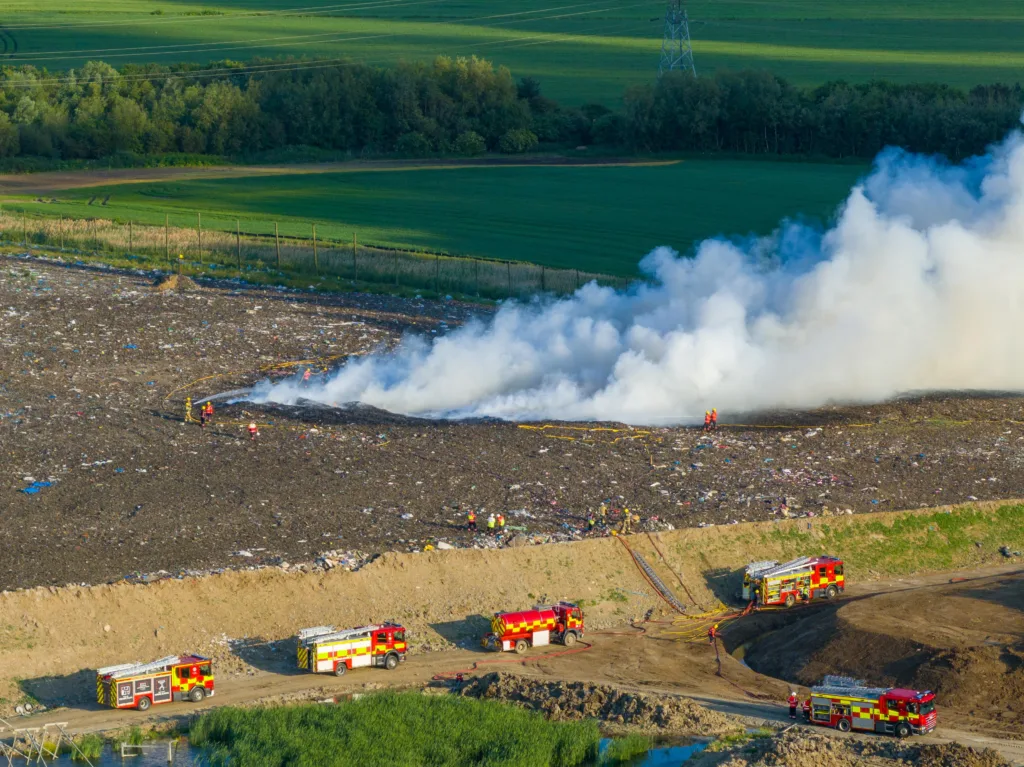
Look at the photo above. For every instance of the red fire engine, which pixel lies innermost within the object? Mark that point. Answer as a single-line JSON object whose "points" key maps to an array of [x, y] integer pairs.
{"points": [[801, 580], [544, 624], [141, 685], [847, 704], [325, 648]]}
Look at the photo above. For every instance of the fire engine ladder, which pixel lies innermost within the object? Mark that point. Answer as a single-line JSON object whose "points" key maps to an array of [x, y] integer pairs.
{"points": [[756, 568], [135, 669], [336, 636], [793, 566], [839, 686]]}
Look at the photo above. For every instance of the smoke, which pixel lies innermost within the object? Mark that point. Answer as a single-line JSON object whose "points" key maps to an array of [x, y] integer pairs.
{"points": [[918, 286]]}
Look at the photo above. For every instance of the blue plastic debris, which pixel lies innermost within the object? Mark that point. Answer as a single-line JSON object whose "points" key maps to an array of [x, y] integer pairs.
{"points": [[119, 471], [150, 383], [130, 346], [35, 487]]}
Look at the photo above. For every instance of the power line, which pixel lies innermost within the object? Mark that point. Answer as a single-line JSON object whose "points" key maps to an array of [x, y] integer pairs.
{"points": [[289, 66], [516, 41]]}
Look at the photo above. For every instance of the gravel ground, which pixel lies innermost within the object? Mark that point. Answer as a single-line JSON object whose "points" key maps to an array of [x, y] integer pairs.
{"points": [[96, 365]]}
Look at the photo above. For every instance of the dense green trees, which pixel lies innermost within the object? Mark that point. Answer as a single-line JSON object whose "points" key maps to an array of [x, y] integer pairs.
{"points": [[759, 113], [467, 106]]}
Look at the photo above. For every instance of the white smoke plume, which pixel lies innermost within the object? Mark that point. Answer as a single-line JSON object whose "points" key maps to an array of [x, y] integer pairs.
{"points": [[918, 286]]}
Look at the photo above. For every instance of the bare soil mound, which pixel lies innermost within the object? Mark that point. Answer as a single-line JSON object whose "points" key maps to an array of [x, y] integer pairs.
{"points": [[175, 282], [615, 707], [799, 748], [965, 641]]}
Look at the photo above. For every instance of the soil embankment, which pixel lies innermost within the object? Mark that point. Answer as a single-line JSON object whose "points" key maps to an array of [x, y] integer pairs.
{"points": [[963, 640]]}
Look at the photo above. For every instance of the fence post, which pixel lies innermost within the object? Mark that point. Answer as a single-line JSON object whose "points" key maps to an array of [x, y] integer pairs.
{"points": [[277, 242], [355, 265], [199, 229], [238, 244], [509, 265], [316, 259], [131, 237], [167, 241]]}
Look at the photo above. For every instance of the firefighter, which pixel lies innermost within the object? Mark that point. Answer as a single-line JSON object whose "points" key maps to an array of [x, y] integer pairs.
{"points": [[253, 431], [471, 520], [188, 411], [707, 420], [591, 521], [305, 377], [793, 700], [714, 419], [604, 514], [626, 516], [501, 522], [209, 412], [490, 524], [202, 416], [712, 633]]}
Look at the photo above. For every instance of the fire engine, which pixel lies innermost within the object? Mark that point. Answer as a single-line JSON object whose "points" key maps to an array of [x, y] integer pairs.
{"points": [[327, 649], [544, 624], [751, 576], [847, 704], [801, 579], [141, 685]]}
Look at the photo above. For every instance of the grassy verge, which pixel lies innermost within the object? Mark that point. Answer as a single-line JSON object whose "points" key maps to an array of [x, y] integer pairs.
{"points": [[887, 544], [393, 729]]}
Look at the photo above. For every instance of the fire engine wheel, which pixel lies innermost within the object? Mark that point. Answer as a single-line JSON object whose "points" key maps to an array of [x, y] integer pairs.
{"points": [[570, 639], [903, 730], [843, 725], [521, 646], [391, 662], [340, 669], [197, 695], [790, 600], [831, 592], [143, 704]]}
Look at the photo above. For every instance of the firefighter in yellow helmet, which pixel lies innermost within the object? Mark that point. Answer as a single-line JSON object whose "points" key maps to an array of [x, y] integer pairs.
{"points": [[626, 518], [188, 411], [712, 633]]}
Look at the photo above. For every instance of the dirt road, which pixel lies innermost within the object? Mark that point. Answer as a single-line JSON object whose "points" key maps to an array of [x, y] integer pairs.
{"points": [[614, 659], [52, 182]]}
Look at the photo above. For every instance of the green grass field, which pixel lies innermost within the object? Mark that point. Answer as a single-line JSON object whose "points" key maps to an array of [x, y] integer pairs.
{"points": [[580, 51], [598, 219]]}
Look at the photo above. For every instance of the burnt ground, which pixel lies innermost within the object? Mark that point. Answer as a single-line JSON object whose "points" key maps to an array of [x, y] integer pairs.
{"points": [[96, 365]]}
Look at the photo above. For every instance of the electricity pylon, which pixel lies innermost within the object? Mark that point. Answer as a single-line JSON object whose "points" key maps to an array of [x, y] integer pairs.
{"points": [[676, 52]]}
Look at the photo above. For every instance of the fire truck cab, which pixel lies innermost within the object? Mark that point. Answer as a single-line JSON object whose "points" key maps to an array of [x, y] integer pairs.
{"points": [[799, 580], [562, 622], [325, 649], [141, 685], [848, 704]]}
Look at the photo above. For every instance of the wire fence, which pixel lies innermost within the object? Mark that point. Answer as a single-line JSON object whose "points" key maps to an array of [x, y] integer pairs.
{"points": [[217, 252]]}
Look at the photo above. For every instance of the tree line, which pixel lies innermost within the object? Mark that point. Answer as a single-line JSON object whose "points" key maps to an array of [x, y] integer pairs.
{"points": [[468, 106]]}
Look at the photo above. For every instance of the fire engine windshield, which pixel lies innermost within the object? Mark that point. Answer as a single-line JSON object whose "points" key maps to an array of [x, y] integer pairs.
{"points": [[399, 636], [927, 708]]}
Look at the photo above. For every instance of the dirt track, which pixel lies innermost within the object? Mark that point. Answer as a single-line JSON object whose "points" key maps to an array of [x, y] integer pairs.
{"points": [[51, 182], [96, 366]]}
